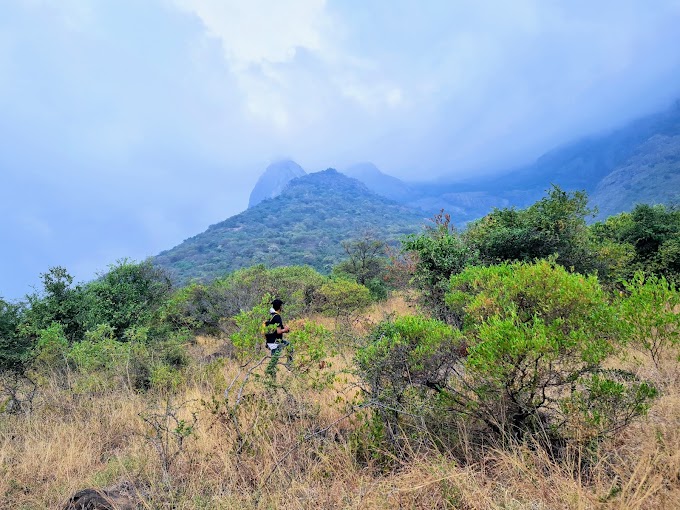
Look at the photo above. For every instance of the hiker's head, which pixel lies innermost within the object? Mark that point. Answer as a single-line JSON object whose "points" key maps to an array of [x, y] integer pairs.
{"points": [[277, 304]]}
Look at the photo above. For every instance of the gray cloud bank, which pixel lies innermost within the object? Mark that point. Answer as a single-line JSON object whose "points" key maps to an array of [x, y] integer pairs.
{"points": [[128, 126]]}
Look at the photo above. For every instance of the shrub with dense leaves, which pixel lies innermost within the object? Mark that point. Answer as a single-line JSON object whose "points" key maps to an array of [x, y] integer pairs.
{"points": [[529, 361], [128, 295], [14, 347], [553, 226], [209, 308], [538, 339], [403, 361], [649, 313], [651, 235], [439, 252]]}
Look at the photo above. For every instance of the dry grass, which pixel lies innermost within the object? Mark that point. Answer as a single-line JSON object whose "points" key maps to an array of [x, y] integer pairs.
{"points": [[292, 449]]}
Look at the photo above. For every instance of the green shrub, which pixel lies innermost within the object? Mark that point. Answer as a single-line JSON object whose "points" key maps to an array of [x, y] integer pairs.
{"points": [[648, 311], [128, 295], [14, 346], [555, 225], [50, 355], [528, 363], [342, 298], [537, 337], [403, 361], [440, 252]]}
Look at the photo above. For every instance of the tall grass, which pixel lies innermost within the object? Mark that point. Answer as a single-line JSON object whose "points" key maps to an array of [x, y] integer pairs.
{"points": [[293, 446]]}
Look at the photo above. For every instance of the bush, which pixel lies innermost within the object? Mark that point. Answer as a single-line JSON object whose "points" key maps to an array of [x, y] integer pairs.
{"points": [[128, 295], [555, 225], [440, 253], [342, 299], [538, 338], [14, 347], [528, 363], [649, 314], [59, 302], [651, 235], [403, 361], [210, 308], [50, 355]]}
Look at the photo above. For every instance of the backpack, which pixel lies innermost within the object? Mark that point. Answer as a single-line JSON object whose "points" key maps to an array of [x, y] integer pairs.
{"points": [[271, 340]]}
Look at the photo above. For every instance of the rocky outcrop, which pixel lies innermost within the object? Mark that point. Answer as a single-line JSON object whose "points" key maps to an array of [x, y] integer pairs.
{"points": [[273, 181]]}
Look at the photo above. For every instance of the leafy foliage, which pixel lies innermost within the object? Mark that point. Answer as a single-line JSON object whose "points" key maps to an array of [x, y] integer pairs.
{"points": [[441, 252], [129, 294], [60, 302], [529, 361], [536, 335], [652, 234], [14, 346], [649, 314], [343, 298], [555, 225], [365, 263], [207, 308]]}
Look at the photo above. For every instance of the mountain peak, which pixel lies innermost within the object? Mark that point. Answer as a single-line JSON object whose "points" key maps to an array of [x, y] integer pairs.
{"points": [[274, 179], [379, 182]]}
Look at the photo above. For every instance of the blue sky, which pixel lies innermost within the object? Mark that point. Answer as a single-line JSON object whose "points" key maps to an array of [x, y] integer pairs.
{"points": [[127, 126]]}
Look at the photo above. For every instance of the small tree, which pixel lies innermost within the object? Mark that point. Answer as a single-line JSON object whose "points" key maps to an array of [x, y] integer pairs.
{"points": [[60, 302], [365, 264], [129, 294], [440, 252], [555, 225]]}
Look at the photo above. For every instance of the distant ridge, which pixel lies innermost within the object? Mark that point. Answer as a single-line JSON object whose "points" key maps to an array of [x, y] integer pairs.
{"points": [[637, 163], [379, 182], [305, 224], [274, 179]]}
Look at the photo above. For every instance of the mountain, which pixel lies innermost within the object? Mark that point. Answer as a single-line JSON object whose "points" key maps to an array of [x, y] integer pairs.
{"points": [[274, 179], [379, 182], [651, 176], [638, 163], [305, 224]]}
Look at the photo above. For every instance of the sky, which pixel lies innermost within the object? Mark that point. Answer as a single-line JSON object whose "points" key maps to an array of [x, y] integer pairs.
{"points": [[127, 126]]}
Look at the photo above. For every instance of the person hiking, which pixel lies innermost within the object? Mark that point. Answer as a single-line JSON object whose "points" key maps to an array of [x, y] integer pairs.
{"points": [[274, 338]]}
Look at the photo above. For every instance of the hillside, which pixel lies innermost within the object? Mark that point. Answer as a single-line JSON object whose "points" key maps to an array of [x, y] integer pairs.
{"points": [[379, 182], [651, 176], [638, 163], [303, 225]]}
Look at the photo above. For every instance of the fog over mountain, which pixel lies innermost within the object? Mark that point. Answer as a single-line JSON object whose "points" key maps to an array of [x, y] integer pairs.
{"points": [[129, 126]]}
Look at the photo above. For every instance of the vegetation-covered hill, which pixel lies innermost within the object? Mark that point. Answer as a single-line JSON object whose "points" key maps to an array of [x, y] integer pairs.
{"points": [[304, 225]]}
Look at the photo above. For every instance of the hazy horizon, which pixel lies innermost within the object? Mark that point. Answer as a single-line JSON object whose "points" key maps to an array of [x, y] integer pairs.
{"points": [[129, 126]]}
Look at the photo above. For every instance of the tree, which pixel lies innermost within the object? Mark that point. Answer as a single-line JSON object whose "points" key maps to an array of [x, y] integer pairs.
{"points": [[129, 294], [653, 235], [59, 302], [364, 260], [440, 252], [555, 225], [14, 347]]}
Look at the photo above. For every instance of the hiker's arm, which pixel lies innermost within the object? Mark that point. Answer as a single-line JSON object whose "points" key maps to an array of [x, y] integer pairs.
{"points": [[283, 330]]}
